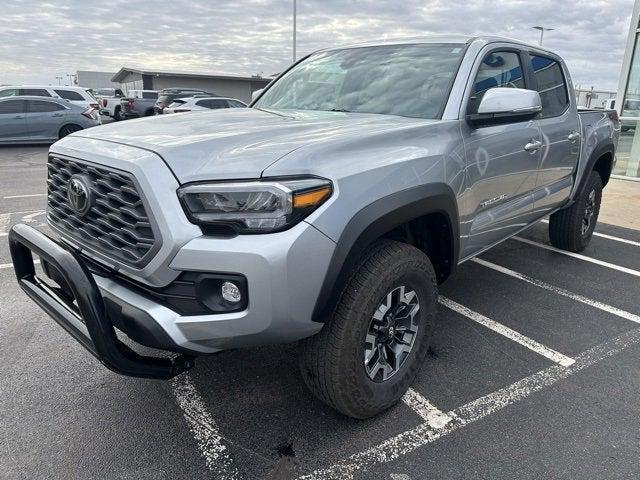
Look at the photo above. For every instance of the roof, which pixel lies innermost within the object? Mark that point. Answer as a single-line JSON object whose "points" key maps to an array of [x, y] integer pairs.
{"points": [[124, 71], [459, 39], [66, 87]]}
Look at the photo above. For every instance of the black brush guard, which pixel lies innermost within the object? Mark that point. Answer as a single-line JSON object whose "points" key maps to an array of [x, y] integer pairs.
{"points": [[88, 323]]}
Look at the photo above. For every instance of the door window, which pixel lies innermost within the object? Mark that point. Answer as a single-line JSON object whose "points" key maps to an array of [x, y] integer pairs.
{"points": [[235, 104], [40, 106], [219, 104], [12, 106], [550, 85], [35, 92], [69, 94], [498, 69]]}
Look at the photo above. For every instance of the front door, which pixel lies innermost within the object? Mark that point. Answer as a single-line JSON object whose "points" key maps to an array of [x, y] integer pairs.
{"points": [[501, 162], [13, 122]]}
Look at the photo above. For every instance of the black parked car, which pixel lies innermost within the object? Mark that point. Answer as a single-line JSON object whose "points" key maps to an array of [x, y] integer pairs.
{"points": [[168, 95]]}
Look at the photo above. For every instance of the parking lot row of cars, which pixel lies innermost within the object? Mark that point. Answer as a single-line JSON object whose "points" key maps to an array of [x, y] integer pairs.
{"points": [[45, 113], [143, 103]]}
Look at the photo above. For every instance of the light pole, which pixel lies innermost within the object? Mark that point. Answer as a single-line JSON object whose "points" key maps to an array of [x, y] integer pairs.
{"points": [[294, 31], [542, 30], [59, 78]]}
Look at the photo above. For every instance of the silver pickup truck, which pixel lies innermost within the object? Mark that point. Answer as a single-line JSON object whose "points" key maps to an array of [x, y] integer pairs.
{"points": [[327, 212]]}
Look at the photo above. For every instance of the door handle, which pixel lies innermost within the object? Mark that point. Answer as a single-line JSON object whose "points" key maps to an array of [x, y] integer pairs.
{"points": [[533, 147], [56, 115], [19, 116], [572, 137]]}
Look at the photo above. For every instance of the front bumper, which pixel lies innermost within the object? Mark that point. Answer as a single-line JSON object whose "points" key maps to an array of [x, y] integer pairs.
{"points": [[84, 315]]}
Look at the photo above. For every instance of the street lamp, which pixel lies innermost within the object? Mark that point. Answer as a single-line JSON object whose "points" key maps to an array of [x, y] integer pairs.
{"points": [[294, 31], [59, 78], [542, 30]]}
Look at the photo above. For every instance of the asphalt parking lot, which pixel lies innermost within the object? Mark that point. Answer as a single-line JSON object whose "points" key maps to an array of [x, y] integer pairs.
{"points": [[534, 372]]}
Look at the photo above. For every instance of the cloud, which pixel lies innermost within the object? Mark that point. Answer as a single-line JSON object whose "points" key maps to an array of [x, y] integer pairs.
{"points": [[41, 40]]}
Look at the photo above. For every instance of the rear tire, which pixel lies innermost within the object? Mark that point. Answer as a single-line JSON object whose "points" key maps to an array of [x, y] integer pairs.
{"points": [[572, 228], [68, 130], [334, 364], [117, 114]]}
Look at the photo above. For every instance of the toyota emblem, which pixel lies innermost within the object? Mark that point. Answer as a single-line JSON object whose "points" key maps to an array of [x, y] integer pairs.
{"points": [[79, 194]]}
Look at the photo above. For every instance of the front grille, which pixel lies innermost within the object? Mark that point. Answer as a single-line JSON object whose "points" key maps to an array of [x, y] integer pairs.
{"points": [[116, 225]]}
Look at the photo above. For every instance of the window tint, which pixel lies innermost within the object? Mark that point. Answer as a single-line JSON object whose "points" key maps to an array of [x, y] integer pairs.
{"points": [[218, 104], [235, 104], [9, 92], [12, 106], [498, 69], [35, 92], [149, 95], [204, 103], [39, 106], [550, 85], [69, 94]]}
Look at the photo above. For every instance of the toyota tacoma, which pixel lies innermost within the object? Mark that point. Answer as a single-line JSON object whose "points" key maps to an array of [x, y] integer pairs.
{"points": [[327, 213]]}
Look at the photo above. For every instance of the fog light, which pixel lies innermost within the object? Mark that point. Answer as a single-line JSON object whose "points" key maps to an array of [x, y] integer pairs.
{"points": [[231, 292]]}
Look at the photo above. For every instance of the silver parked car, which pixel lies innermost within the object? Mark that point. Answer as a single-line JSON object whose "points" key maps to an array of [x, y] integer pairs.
{"points": [[40, 119]]}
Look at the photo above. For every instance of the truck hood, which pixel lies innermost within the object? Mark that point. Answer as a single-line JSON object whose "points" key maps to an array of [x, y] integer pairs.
{"points": [[238, 142]]}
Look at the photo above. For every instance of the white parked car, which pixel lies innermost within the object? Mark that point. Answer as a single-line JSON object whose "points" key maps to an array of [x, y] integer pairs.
{"points": [[76, 95], [202, 103]]}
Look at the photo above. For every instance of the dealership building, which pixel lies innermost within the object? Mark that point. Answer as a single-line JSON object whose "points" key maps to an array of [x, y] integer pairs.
{"points": [[224, 85], [628, 102]]}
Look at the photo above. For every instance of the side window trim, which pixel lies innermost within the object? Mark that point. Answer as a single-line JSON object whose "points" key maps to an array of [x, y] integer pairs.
{"points": [[533, 53]]}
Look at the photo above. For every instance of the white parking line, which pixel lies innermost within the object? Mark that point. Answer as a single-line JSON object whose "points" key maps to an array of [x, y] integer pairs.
{"points": [[431, 414], [609, 237], [579, 256], [25, 196], [204, 429], [531, 344], [560, 291], [411, 440]]}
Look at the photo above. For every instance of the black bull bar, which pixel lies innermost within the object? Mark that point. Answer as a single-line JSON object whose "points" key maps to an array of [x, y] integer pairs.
{"points": [[87, 320]]}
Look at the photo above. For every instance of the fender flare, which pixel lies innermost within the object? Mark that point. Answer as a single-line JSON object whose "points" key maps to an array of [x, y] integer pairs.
{"points": [[373, 221], [593, 158]]}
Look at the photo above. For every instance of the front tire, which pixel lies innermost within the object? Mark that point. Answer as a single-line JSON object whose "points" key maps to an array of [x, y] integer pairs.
{"points": [[572, 228], [369, 353]]}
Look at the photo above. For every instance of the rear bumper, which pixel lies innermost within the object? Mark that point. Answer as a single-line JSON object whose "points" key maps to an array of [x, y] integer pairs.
{"points": [[84, 315]]}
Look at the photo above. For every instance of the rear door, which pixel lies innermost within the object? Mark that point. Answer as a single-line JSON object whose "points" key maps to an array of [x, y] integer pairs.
{"points": [[501, 158], [13, 120], [44, 119], [560, 128]]}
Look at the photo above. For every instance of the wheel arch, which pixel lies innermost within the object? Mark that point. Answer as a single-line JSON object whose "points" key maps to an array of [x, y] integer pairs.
{"points": [[601, 160], [382, 218], [68, 124]]}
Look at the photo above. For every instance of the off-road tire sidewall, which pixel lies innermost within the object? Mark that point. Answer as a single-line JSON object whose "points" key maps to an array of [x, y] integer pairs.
{"points": [[347, 387]]}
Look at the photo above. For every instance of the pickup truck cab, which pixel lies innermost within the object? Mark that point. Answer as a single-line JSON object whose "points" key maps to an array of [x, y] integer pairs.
{"points": [[327, 212], [109, 102], [138, 103]]}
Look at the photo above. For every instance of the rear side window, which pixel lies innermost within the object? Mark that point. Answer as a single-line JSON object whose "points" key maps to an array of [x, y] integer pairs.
{"points": [[550, 85], [204, 103], [498, 69], [12, 106], [69, 95], [149, 95], [218, 104], [39, 106], [35, 92]]}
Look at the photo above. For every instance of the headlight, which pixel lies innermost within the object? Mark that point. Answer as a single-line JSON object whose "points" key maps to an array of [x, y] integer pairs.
{"points": [[254, 207]]}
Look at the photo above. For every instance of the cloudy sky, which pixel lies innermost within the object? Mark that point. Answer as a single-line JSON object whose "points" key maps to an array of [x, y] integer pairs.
{"points": [[39, 41]]}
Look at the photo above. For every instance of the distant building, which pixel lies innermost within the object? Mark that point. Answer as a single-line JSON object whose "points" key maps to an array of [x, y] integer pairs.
{"points": [[591, 98], [89, 79], [226, 85]]}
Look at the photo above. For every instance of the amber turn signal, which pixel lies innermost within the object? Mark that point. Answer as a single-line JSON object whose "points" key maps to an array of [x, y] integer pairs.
{"points": [[311, 198]]}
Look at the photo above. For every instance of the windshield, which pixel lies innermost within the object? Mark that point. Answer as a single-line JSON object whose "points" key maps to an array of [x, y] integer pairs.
{"points": [[407, 80]]}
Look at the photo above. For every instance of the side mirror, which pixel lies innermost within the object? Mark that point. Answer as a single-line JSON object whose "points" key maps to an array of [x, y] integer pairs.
{"points": [[256, 93], [502, 104]]}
